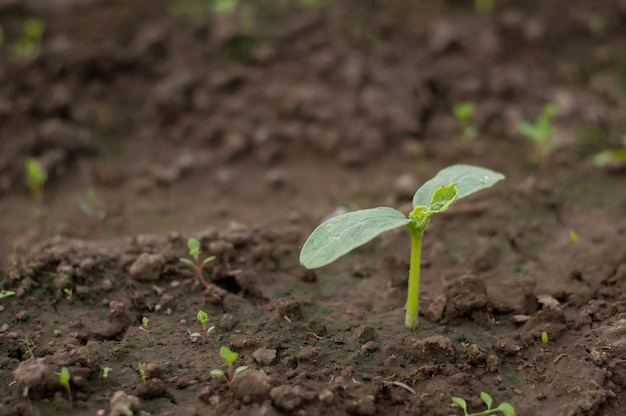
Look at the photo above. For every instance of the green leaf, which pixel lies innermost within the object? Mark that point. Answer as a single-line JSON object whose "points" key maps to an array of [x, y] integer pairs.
{"points": [[194, 247], [64, 377], [443, 198], [208, 260], [461, 403], [241, 369], [342, 234], [202, 317], [228, 355], [486, 398], [468, 180], [188, 262], [507, 409], [218, 373]]}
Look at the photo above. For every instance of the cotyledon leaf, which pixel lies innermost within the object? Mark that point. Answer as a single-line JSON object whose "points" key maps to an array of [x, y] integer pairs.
{"points": [[468, 179], [342, 234]]}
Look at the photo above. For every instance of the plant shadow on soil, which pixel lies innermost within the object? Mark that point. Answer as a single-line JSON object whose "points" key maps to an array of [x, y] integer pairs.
{"points": [[340, 104]]}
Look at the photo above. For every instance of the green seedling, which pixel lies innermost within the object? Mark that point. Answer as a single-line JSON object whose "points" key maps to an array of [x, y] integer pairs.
{"points": [[342, 234], [142, 371], [28, 347], [105, 372], [196, 264], [68, 293], [94, 209], [464, 113], [230, 357], [64, 380], [28, 45], [544, 341], [36, 177], [612, 159], [540, 132], [573, 237], [6, 293], [504, 408], [203, 318], [144, 324]]}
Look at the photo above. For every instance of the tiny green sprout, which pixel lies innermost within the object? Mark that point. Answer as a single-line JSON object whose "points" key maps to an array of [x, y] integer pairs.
{"points": [[612, 159], [342, 234], [465, 345], [540, 132], [203, 318], [464, 113], [105, 372], [144, 324], [25, 391], [64, 380], [573, 236], [28, 45], [504, 408], [29, 347], [230, 357], [68, 293], [544, 340], [6, 293], [142, 371], [36, 177], [93, 208], [196, 264]]}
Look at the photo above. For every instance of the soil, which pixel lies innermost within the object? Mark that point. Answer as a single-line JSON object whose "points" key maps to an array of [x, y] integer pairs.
{"points": [[245, 131]]}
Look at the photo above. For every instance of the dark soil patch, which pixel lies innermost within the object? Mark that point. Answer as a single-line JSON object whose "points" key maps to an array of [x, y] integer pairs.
{"points": [[245, 133]]}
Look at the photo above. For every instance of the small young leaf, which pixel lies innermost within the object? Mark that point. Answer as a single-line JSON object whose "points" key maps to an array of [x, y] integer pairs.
{"points": [[207, 260], [506, 409], [544, 337], [218, 373], [241, 369], [468, 180], [188, 262], [202, 317], [461, 403], [228, 355], [342, 234], [194, 246], [64, 377], [487, 399], [443, 198]]}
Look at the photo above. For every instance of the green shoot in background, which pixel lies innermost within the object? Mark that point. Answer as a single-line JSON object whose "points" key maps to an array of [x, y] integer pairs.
{"points": [[540, 132], [544, 340], [36, 177], [194, 251], [28, 45], [504, 409], [203, 318], [64, 380], [105, 372], [612, 159], [342, 234], [142, 371], [230, 357], [464, 113], [93, 208]]}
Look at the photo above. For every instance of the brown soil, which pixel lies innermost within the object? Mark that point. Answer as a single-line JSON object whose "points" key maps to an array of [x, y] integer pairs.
{"points": [[197, 125]]}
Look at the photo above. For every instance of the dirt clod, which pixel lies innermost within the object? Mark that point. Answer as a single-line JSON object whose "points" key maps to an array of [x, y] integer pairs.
{"points": [[252, 386]]}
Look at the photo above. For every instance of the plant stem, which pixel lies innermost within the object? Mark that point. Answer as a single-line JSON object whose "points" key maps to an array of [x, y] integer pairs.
{"points": [[412, 300]]}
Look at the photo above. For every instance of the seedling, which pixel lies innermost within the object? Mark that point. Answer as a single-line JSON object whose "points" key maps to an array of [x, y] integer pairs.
{"points": [[540, 132], [464, 113], [142, 371], [144, 324], [504, 408], [573, 237], [29, 347], [36, 177], [203, 318], [6, 293], [613, 159], [68, 293], [196, 264], [93, 208], [230, 357], [342, 234], [64, 380], [28, 45], [544, 340], [105, 372]]}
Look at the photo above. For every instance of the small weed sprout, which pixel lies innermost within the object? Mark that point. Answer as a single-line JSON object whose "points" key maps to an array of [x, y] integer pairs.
{"points": [[464, 113], [544, 341], [573, 237], [105, 372], [142, 371], [144, 324], [94, 209], [68, 293], [29, 347], [203, 318], [196, 264], [342, 234], [540, 132], [6, 293], [230, 357], [64, 380], [36, 177], [612, 159], [504, 408]]}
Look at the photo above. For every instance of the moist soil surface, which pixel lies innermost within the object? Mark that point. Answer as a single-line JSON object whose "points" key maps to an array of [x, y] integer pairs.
{"points": [[162, 121]]}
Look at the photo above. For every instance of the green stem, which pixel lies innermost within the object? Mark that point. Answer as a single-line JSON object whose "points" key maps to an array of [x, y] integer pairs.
{"points": [[412, 300]]}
